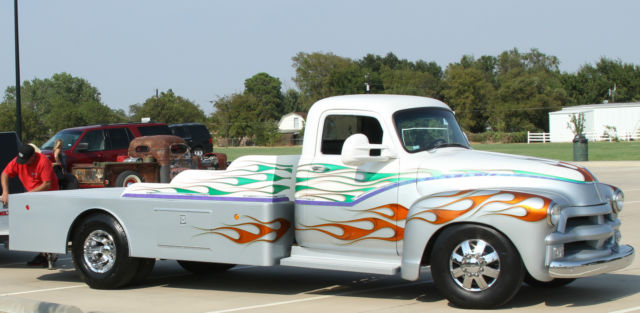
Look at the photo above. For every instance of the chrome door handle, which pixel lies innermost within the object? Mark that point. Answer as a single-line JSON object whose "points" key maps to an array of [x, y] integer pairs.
{"points": [[319, 168]]}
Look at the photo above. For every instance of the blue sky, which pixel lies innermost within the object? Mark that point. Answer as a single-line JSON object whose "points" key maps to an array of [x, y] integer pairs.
{"points": [[206, 49]]}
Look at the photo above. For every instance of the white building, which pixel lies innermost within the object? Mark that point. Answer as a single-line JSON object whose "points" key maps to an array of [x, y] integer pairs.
{"points": [[292, 123], [625, 117]]}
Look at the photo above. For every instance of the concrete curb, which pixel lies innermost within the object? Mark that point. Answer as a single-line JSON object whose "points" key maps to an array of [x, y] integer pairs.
{"points": [[18, 305]]}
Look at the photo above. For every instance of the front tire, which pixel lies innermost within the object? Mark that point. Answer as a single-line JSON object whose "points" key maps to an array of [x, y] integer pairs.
{"points": [[100, 253], [476, 267]]}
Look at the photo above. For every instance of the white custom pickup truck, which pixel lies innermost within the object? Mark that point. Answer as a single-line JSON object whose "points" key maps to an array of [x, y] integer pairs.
{"points": [[385, 184]]}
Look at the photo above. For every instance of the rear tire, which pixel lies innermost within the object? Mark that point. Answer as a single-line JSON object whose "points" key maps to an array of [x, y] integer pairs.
{"points": [[204, 267], [100, 253], [127, 178], [476, 267]]}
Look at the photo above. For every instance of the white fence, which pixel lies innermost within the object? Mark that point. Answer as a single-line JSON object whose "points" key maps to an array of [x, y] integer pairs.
{"points": [[538, 137], [625, 136], [591, 136]]}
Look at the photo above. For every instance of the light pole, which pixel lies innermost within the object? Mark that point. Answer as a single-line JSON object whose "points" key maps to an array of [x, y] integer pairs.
{"points": [[18, 99]]}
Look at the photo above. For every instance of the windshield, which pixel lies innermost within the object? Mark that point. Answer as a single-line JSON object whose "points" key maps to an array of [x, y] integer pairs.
{"points": [[69, 138], [423, 129]]}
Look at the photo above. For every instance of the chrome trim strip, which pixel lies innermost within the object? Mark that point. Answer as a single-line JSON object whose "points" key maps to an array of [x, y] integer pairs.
{"points": [[620, 258]]}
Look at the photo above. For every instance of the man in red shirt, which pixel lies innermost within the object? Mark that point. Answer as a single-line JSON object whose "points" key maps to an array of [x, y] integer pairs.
{"points": [[35, 172]]}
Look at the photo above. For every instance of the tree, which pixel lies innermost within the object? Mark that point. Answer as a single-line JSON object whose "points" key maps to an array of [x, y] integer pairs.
{"points": [[291, 101], [468, 92], [591, 84], [530, 86], [52, 104], [168, 108], [267, 91], [317, 73]]}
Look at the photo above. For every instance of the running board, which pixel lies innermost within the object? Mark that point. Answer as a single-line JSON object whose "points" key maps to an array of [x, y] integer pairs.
{"points": [[322, 259]]}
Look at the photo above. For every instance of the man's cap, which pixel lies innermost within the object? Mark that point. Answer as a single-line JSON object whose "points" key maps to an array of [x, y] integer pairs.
{"points": [[25, 153]]}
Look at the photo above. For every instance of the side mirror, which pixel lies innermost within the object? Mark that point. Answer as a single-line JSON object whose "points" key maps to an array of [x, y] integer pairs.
{"points": [[356, 149], [82, 147]]}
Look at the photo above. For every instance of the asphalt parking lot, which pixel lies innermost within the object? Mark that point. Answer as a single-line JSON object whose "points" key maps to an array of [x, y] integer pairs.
{"points": [[284, 289]]}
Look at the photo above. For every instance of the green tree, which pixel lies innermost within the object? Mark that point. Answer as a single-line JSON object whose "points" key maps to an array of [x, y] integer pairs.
{"points": [[52, 104], [291, 101], [168, 108], [530, 86], [468, 91], [267, 91], [591, 84], [318, 73]]}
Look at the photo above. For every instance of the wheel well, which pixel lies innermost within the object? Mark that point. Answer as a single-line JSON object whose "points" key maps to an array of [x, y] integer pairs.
{"points": [[426, 255], [78, 221]]}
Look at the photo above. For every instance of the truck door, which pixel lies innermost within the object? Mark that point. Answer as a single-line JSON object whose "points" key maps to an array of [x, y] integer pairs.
{"points": [[341, 207]]}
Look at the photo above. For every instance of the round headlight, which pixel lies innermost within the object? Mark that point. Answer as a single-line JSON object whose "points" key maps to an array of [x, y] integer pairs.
{"points": [[553, 214], [617, 201]]}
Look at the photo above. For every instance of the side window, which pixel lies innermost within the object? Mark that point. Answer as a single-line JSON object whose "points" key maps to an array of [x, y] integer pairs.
{"points": [[337, 128], [178, 131], [95, 140], [118, 138]]}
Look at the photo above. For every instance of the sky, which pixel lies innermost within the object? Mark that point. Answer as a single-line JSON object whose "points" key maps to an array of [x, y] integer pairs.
{"points": [[206, 49]]}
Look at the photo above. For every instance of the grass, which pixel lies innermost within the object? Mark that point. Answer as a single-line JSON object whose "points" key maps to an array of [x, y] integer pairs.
{"points": [[598, 151]]}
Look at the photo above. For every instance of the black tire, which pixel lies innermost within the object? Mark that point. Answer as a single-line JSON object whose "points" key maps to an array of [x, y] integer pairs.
{"points": [[127, 178], [144, 269], [92, 252], [69, 182], [204, 267], [555, 283], [486, 272]]}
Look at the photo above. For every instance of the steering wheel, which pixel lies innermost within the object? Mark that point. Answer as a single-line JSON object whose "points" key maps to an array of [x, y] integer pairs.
{"points": [[437, 142]]}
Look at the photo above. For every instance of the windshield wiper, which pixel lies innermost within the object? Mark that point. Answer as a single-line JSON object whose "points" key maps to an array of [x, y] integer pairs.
{"points": [[452, 144]]}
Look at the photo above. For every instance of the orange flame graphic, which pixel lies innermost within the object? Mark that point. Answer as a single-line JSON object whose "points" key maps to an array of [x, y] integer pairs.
{"points": [[444, 215], [354, 234], [248, 237]]}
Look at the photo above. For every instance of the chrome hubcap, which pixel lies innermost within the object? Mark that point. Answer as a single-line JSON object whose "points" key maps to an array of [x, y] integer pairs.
{"points": [[474, 265], [99, 251]]}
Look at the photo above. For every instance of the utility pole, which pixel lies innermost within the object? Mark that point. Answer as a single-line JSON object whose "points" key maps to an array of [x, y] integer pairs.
{"points": [[18, 98]]}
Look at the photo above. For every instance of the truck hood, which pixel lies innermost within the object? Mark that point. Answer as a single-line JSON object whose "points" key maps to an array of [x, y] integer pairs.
{"points": [[464, 161], [464, 169]]}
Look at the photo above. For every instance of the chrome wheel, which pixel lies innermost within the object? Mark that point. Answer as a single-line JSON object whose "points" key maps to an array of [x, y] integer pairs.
{"points": [[474, 265], [99, 251]]}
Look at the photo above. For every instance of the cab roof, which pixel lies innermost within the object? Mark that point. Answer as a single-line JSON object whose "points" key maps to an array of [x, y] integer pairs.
{"points": [[383, 104]]}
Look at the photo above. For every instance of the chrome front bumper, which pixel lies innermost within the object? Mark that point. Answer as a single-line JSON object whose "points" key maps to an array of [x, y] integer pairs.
{"points": [[619, 258]]}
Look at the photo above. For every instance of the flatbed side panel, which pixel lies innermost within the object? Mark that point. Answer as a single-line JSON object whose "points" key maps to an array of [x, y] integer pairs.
{"points": [[238, 232], [40, 221], [258, 231]]}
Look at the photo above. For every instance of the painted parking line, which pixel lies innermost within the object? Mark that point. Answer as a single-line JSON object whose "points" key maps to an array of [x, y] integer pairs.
{"points": [[251, 307], [627, 310], [41, 290]]}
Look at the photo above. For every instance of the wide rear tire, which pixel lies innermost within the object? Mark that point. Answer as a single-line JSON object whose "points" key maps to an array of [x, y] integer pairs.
{"points": [[476, 267], [100, 253]]}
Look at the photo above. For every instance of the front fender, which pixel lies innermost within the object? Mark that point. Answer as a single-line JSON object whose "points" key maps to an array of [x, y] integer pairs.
{"points": [[520, 216]]}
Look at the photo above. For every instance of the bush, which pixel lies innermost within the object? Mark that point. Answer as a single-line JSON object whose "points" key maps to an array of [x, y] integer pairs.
{"points": [[498, 137]]}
